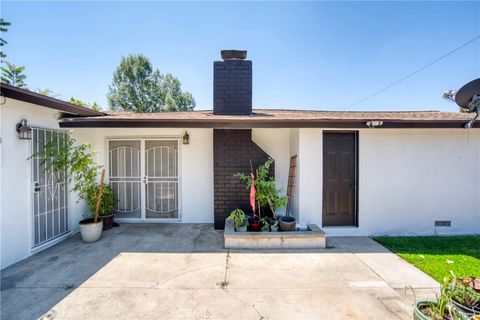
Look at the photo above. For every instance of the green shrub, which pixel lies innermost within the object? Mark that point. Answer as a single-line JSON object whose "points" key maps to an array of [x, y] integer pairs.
{"points": [[107, 203], [267, 193]]}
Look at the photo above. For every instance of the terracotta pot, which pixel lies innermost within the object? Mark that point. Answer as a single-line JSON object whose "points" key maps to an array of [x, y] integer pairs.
{"points": [[287, 223]]}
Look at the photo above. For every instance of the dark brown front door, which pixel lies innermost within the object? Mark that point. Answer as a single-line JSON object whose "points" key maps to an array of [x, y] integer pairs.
{"points": [[340, 179]]}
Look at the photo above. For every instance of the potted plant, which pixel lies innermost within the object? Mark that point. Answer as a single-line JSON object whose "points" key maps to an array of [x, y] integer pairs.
{"points": [[266, 193], [254, 223], [465, 297], [63, 154], [265, 224], [441, 308], [274, 226], [239, 220], [106, 204]]}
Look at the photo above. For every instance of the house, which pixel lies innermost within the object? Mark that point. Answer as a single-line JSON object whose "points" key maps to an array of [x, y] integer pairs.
{"points": [[357, 173]]}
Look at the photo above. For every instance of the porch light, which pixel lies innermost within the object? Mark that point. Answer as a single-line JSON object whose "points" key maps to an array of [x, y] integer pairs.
{"points": [[374, 124], [186, 138], [24, 131]]}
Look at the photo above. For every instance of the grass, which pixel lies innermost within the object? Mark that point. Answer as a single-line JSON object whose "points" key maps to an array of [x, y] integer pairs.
{"points": [[436, 256]]}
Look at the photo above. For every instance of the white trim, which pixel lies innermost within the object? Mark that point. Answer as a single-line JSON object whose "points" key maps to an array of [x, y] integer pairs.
{"points": [[52, 242]]}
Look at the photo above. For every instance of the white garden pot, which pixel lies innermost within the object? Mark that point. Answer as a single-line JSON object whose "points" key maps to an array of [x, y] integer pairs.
{"points": [[91, 231]]}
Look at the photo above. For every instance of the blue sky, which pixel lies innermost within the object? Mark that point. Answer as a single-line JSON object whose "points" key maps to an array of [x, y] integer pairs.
{"points": [[312, 55]]}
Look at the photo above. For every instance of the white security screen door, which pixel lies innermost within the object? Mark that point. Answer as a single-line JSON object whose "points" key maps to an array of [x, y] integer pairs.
{"points": [[50, 191], [144, 178], [125, 178], [161, 179]]}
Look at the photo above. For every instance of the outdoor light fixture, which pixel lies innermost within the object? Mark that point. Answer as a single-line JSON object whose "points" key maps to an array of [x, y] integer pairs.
{"points": [[374, 124], [24, 131], [186, 138]]}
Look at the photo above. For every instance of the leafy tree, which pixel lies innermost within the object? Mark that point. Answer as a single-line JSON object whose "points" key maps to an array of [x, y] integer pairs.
{"points": [[78, 102], [137, 86], [47, 92], [3, 28], [174, 98], [13, 75]]}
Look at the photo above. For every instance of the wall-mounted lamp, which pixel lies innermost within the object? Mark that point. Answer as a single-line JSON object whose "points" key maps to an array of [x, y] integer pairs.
{"points": [[24, 131], [186, 138], [374, 124]]}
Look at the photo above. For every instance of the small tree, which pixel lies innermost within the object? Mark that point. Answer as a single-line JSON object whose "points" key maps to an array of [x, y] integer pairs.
{"points": [[267, 194], [63, 154], [14, 75]]}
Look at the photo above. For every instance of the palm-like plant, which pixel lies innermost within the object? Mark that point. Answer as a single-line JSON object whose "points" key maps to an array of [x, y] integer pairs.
{"points": [[13, 75]]}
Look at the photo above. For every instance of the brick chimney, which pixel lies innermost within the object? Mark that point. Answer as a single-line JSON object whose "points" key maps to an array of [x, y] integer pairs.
{"points": [[232, 84]]}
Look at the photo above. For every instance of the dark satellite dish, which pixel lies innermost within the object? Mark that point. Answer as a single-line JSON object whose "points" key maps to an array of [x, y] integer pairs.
{"points": [[468, 96]]}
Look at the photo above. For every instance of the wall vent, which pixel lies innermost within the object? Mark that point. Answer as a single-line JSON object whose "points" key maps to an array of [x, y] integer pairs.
{"points": [[443, 223]]}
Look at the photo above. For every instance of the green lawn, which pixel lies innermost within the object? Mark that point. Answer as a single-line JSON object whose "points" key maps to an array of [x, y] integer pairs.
{"points": [[436, 256]]}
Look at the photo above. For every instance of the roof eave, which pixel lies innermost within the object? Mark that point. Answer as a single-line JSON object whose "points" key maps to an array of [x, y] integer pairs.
{"points": [[247, 123], [12, 92]]}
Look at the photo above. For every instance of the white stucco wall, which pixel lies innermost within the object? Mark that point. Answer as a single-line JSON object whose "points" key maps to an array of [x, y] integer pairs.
{"points": [[408, 178], [15, 186], [196, 196], [294, 150], [275, 142]]}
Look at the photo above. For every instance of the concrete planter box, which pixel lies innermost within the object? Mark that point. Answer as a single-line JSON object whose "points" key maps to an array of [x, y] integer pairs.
{"points": [[314, 238]]}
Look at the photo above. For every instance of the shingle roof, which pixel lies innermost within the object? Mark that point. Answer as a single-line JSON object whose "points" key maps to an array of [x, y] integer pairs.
{"points": [[285, 114], [273, 118]]}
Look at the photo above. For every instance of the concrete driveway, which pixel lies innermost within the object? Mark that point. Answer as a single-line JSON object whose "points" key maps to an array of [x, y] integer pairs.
{"points": [[178, 271]]}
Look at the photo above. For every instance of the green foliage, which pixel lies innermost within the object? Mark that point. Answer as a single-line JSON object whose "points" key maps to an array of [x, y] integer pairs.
{"points": [[440, 308], [267, 193], [465, 295], [436, 255], [238, 217], [77, 160], [107, 202], [137, 86], [78, 102], [265, 224], [3, 28], [13, 75], [47, 92]]}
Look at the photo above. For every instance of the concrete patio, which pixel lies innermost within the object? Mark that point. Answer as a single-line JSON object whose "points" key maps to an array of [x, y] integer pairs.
{"points": [[181, 271]]}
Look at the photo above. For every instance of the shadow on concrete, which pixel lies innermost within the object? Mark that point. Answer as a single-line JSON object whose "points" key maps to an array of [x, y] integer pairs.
{"points": [[33, 286]]}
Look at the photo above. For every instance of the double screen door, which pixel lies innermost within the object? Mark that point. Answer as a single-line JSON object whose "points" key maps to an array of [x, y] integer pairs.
{"points": [[143, 174]]}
